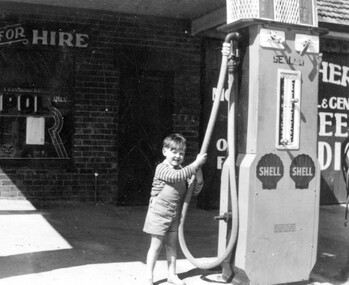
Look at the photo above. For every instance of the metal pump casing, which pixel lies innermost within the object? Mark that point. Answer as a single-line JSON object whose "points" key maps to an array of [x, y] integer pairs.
{"points": [[278, 171]]}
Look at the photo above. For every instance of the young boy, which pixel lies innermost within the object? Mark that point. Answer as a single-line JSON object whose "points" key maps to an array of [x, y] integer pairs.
{"points": [[167, 194]]}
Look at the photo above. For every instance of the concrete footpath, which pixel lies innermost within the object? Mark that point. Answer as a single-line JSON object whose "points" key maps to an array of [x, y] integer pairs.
{"points": [[81, 243]]}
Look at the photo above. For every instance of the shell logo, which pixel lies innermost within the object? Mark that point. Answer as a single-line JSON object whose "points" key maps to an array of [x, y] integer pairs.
{"points": [[270, 170], [302, 171]]}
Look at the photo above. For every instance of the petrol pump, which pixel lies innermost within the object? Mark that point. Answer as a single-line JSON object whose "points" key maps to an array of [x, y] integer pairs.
{"points": [[270, 188]]}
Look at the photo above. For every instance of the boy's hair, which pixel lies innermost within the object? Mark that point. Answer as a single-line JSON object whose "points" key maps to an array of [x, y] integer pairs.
{"points": [[175, 141]]}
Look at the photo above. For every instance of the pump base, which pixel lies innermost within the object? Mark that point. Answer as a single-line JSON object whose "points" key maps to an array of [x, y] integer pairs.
{"points": [[239, 277]]}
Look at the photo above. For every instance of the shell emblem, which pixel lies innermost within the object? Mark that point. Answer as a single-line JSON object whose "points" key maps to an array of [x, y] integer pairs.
{"points": [[270, 170], [302, 171]]}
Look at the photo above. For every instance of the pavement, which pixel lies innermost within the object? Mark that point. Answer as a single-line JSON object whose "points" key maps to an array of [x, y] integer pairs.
{"points": [[83, 243]]}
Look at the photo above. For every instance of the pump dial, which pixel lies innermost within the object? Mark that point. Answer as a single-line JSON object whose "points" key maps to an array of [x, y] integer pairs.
{"points": [[272, 39]]}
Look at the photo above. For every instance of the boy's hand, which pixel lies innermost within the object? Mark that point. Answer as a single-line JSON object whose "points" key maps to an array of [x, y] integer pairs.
{"points": [[200, 159]]}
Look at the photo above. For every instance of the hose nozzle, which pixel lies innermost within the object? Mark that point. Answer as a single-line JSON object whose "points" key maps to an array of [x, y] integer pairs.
{"points": [[225, 217]]}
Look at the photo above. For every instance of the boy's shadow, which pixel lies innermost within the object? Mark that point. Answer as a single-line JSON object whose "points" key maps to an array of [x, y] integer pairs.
{"points": [[195, 272]]}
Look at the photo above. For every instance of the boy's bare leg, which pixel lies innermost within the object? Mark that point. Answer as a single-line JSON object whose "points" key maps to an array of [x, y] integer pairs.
{"points": [[171, 254], [152, 256]]}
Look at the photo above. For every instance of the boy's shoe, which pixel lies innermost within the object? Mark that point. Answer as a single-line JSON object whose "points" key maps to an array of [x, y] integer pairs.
{"points": [[175, 281]]}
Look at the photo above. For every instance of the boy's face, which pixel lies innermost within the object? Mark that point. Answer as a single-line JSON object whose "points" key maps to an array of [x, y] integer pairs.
{"points": [[174, 157]]}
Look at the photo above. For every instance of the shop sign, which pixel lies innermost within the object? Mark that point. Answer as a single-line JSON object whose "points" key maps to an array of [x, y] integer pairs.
{"points": [[333, 115], [21, 100], [35, 36], [31, 125]]}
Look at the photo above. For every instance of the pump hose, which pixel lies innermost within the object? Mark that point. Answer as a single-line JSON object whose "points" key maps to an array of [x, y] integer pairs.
{"points": [[232, 176]]}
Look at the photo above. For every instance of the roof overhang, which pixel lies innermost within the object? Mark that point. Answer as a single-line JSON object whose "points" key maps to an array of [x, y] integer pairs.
{"points": [[184, 9], [205, 15]]}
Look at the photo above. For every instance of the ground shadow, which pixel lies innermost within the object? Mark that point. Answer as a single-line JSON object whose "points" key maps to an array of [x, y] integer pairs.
{"points": [[96, 233], [195, 272], [100, 233]]}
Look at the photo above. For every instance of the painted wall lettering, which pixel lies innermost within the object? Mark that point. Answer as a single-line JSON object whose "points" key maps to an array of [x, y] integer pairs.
{"points": [[12, 34], [20, 34], [333, 118], [54, 38], [334, 73], [333, 115]]}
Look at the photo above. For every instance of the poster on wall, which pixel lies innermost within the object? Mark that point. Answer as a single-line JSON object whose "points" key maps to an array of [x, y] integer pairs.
{"points": [[333, 112]]}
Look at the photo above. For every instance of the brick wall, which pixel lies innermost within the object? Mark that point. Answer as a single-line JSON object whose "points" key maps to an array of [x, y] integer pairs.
{"points": [[96, 104]]}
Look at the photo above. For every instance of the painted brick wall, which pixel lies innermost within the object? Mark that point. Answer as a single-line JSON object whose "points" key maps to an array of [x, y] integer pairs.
{"points": [[96, 105]]}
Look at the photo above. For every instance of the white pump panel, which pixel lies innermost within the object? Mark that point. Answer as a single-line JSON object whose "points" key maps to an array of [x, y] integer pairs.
{"points": [[288, 109], [307, 44], [272, 39]]}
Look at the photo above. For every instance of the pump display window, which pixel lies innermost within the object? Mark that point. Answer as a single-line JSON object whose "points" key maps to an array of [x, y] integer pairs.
{"points": [[36, 87]]}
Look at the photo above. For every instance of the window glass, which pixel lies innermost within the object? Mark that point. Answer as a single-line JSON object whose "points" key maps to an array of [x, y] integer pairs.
{"points": [[36, 90]]}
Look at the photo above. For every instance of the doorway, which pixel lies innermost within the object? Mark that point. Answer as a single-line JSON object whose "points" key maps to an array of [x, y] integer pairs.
{"points": [[145, 119]]}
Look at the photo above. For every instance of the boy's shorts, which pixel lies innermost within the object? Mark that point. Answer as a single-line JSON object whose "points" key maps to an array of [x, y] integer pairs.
{"points": [[162, 217]]}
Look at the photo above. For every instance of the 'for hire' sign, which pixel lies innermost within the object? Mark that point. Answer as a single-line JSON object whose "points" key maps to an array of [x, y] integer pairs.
{"points": [[18, 33]]}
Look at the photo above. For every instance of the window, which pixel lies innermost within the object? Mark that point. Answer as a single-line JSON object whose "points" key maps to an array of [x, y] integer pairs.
{"points": [[36, 90]]}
